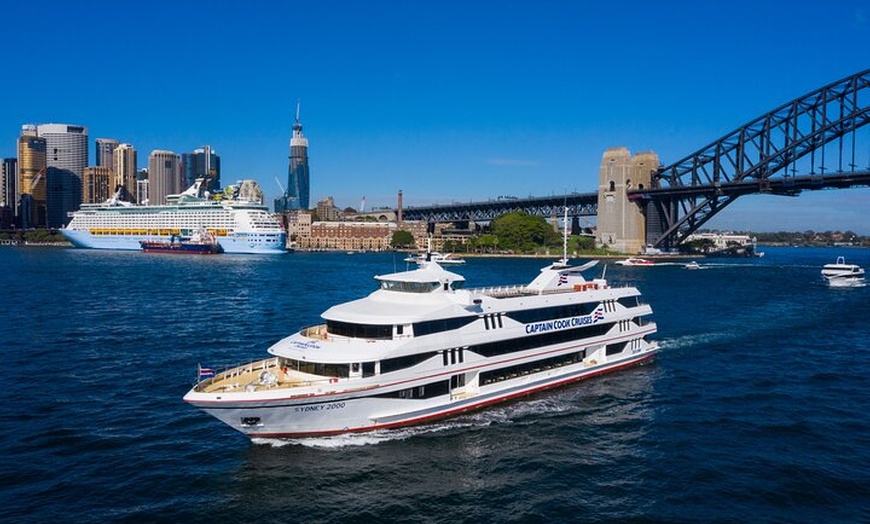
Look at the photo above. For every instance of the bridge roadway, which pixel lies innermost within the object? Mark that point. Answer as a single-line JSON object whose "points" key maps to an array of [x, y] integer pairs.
{"points": [[586, 204], [789, 186], [579, 204]]}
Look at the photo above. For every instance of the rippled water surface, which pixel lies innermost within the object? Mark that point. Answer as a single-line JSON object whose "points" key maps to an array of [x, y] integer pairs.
{"points": [[756, 409]]}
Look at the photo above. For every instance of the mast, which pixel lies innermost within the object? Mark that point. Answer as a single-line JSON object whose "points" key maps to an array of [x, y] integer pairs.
{"points": [[565, 237]]}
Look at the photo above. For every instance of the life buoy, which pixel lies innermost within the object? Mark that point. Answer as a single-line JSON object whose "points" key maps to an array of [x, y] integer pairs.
{"points": [[333, 380]]}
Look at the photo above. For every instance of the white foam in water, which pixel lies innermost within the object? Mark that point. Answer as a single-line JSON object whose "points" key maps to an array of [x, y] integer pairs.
{"points": [[367, 438], [693, 340]]}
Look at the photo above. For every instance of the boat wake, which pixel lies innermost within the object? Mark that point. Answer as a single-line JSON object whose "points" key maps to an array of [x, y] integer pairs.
{"points": [[369, 438], [687, 341]]}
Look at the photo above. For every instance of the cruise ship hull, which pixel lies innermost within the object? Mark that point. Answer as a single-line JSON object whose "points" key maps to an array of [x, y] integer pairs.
{"points": [[252, 243]]}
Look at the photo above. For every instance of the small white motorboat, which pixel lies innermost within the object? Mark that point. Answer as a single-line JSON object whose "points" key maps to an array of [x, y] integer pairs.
{"points": [[841, 274]]}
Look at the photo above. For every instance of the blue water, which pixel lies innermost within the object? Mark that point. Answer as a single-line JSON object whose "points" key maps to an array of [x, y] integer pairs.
{"points": [[756, 409]]}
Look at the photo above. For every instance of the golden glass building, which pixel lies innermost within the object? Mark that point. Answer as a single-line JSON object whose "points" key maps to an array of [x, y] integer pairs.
{"points": [[32, 182]]}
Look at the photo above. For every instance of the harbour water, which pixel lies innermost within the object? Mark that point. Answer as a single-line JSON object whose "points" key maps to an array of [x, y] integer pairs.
{"points": [[756, 409]]}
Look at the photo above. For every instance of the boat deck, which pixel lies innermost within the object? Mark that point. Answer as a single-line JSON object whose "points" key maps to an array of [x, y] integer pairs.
{"points": [[259, 376]]}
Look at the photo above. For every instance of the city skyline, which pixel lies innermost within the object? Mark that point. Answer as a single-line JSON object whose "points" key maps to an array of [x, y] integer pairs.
{"points": [[446, 102]]}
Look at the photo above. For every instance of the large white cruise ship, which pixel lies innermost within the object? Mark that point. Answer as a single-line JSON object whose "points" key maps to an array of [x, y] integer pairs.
{"points": [[240, 222], [421, 347]]}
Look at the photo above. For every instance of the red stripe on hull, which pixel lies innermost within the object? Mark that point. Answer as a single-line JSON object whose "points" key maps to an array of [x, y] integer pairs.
{"points": [[452, 412]]}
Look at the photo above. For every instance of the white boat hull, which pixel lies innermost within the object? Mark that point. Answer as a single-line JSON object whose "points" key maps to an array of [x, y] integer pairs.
{"points": [[341, 411], [845, 281]]}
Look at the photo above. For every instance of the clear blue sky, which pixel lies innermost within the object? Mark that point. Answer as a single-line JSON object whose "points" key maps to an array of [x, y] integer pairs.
{"points": [[447, 101]]}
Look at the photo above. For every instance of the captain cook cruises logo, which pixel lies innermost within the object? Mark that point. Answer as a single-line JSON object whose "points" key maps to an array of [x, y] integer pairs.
{"points": [[598, 314], [566, 323]]}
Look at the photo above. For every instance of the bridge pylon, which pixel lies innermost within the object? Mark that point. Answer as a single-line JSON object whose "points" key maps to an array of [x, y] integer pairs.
{"points": [[620, 223]]}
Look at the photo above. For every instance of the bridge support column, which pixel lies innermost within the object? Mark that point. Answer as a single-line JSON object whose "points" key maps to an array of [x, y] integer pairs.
{"points": [[620, 223]]}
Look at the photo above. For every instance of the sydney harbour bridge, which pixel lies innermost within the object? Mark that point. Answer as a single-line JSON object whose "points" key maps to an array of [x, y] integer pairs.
{"points": [[814, 142]]}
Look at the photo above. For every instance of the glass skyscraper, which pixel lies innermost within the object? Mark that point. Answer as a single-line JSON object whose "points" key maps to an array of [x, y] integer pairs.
{"points": [[297, 194], [203, 162]]}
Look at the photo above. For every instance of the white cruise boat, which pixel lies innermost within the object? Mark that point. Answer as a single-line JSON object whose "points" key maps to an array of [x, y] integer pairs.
{"points": [[422, 347], [434, 256], [239, 221], [841, 274]]}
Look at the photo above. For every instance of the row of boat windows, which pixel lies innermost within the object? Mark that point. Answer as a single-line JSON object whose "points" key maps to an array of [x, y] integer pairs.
{"points": [[529, 316], [418, 287], [571, 310], [185, 223], [514, 345], [442, 387], [434, 389], [497, 375], [368, 331], [331, 370], [385, 332], [453, 356]]}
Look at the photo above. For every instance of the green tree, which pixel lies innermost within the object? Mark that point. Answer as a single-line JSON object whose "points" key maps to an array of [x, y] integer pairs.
{"points": [[487, 243], [402, 239], [523, 232], [584, 243]]}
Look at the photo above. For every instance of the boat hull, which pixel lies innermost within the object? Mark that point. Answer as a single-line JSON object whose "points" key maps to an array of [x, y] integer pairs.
{"points": [[849, 281], [240, 243], [340, 411], [176, 248]]}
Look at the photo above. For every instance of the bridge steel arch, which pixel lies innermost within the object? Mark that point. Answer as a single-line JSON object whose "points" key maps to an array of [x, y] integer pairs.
{"points": [[803, 136]]}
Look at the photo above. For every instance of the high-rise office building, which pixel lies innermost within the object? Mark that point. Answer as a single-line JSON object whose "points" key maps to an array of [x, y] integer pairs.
{"points": [[31, 180], [203, 162], [66, 153], [297, 193], [97, 184], [8, 185], [66, 146], [105, 152], [63, 194], [164, 176], [143, 186], [124, 159]]}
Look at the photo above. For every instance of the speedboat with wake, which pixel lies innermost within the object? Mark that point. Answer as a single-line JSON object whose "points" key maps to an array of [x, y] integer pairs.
{"points": [[634, 261], [841, 274], [422, 347]]}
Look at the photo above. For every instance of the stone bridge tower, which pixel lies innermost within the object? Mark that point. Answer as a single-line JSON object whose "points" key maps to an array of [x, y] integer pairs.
{"points": [[621, 224]]}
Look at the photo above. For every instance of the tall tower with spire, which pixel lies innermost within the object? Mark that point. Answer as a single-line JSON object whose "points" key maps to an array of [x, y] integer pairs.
{"points": [[297, 195]]}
